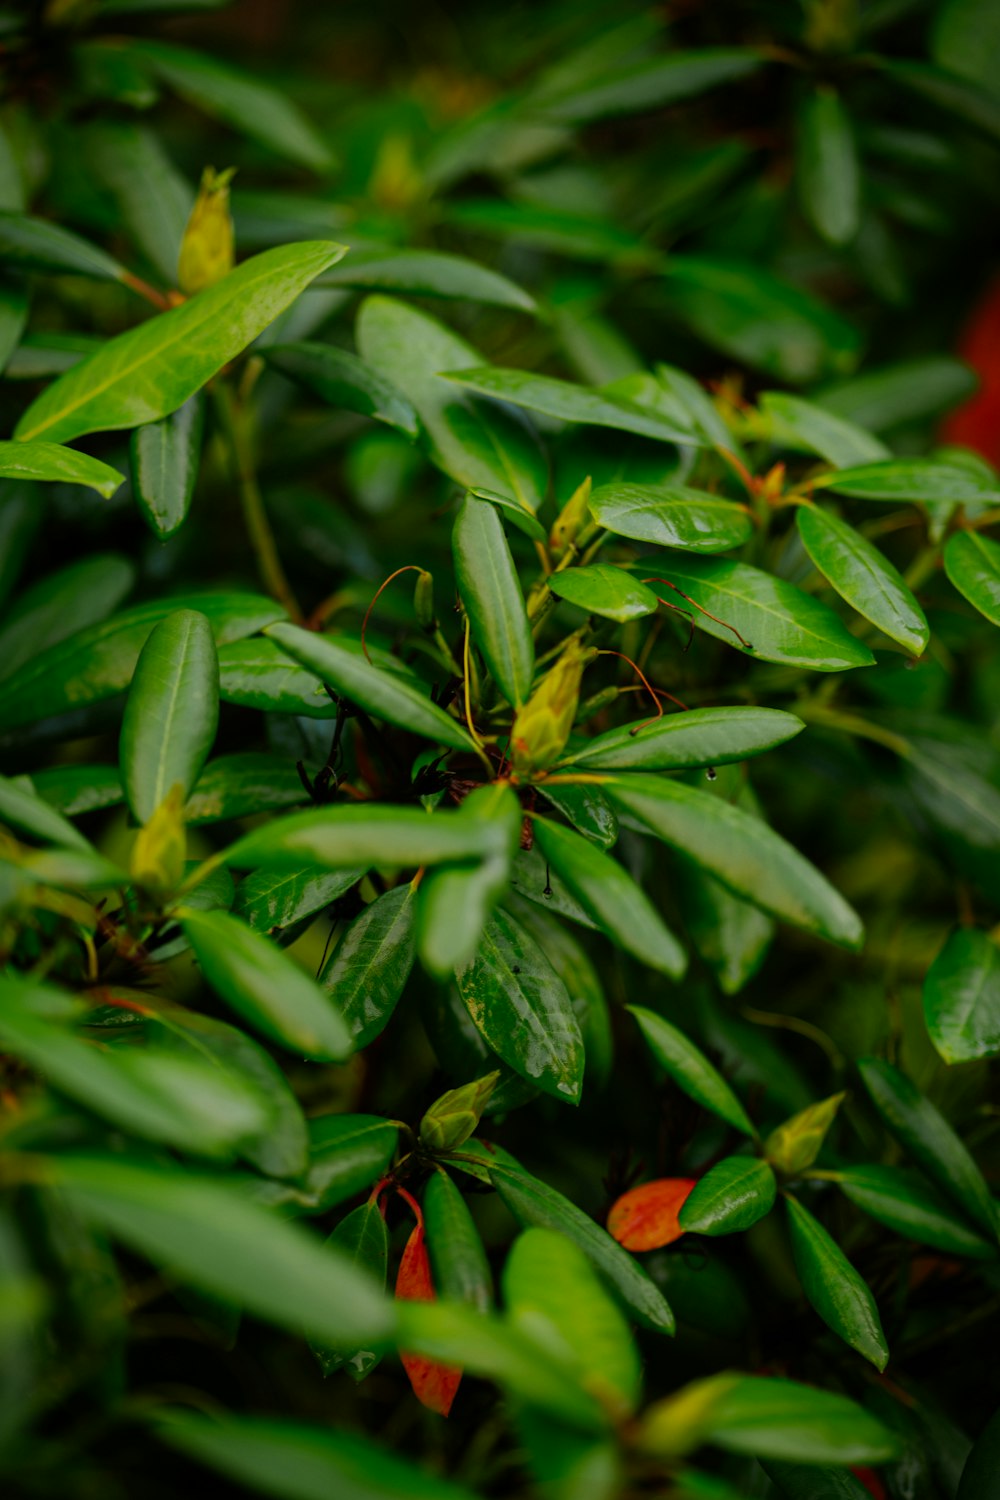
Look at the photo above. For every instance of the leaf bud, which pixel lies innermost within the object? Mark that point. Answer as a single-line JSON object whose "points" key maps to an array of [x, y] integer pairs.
{"points": [[207, 247], [423, 601], [795, 1145], [571, 520], [157, 863], [543, 725], [454, 1117]]}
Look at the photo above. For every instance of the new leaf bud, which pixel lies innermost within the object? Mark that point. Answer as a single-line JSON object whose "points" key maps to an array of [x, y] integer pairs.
{"points": [[543, 725], [455, 1116], [571, 520], [157, 863], [207, 247], [795, 1145]]}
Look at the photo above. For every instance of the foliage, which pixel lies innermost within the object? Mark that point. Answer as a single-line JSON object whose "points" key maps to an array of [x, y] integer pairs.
{"points": [[497, 703]]}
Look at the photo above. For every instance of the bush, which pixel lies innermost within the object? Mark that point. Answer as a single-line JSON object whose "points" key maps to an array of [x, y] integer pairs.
{"points": [[561, 623]]}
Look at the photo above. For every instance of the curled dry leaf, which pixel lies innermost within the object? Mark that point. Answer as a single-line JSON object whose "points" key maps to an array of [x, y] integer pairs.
{"points": [[647, 1217]]}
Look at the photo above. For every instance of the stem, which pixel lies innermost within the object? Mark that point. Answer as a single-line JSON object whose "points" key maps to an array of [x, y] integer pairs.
{"points": [[864, 729], [232, 421], [160, 301]]}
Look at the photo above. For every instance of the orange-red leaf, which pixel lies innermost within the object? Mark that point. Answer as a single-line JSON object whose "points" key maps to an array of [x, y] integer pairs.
{"points": [[871, 1482], [645, 1218], [434, 1385]]}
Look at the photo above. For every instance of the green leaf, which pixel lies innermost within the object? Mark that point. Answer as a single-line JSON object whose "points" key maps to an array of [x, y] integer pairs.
{"points": [[339, 838], [778, 621], [533, 1202], [585, 808], [473, 442], [50, 461], [153, 199], [78, 789], [733, 1195], [924, 1132], [348, 1154], [828, 167], [691, 1070], [514, 512], [165, 457], [13, 319], [239, 98], [807, 1482], [21, 517], [256, 673], [427, 273], [568, 402], [37, 245], [342, 379], [751, 315], [905, 1201], [152, 1092], [367, 972], [265, 986], [962, 997], [522, 1009], [909, 391], [731, 936], [604, 590], [840, 1296], [972, 563], [671, 515], [982, 1467], [363, 1237], [382, 694], [743, 853], [149, 371], [458, 1258], [794, 1145], [968, 102], [651, 84], [579, 236], [274, 899], [203, 1230], [802, 425], [773, 1418], [909, 479], [490, 592], [455, 903], [21, 807], [234, 786], [172, 712], [684, 741], [552, 1292], [862, 576], [611, 897]]}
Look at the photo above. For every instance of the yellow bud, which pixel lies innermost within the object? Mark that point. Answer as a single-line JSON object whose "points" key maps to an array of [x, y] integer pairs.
{"points": [[571, 519], [160, 846], [423, 601], [453, 1118], [795, 1145], [672, 1427], [207, 247], [543, 725]]}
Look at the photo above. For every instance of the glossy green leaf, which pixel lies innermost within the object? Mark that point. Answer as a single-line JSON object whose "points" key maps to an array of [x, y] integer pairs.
{"points": [[234, 786], [777, 620], [206, 1232], [732, 936], [568, 402], [732, 1196], [382, 694], [265, 986], [50, 461], [455, 902], [78, 789], [533, 1202], [552, 1292], [458, 1257], [473, 442], [962, 997], [611, 897], [239, 98], [742, 852], [909, 479], [38, 245], [513, 511], [342, 379], [683, 741], [22, 510], [905, 1201], [490, 592], [522, 1009], [165, 457], [275, 899], [773, 1418], [585, 808], [427, 273], [172, 712], [256, 673], [367, 972], [972, 563], [908, 391], [604, 590], [750, 315], [348, 1155], [363, 1237], [152, 197], [149, 371], [840, 1296], [340, 838], [923, 1131], [861, 575], [828, 168], [803, 425], [652, 84], [671, 515], [25, 810], [690, 1069], [577, 235]]}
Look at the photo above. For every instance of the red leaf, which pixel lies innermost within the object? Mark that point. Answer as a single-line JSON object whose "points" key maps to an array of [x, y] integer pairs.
{"points": [[645, 1218], [976, 423], [871, 1482], [434, 1385]]}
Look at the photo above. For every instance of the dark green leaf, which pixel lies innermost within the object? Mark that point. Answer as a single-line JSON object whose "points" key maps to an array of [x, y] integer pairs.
{"points": [[683, 741], [458, 1258], [906, 392], [490, 592], [274, 899], [828, 167], [691, 1070], [340, 838], [908, 479], [79, 789], [807, 1482], [36, 244], [348, 1154], [165, 457], [972, 562], [905, 1201], [367, 972], [568, 402], [671, 515], [586, 808], [514, 511], [742, 852], [968, 102], [982, 1468], [427, 273], [862, 576], [606, 591], [733, 1195], [233, 786], [256, 673], [362, 1237], [773, 1418], [23, 808], [152, 197], [802, 425], [962, 997], [840, 1296], [651, 84], [342, 379], [456, 902], [50, 461]]}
